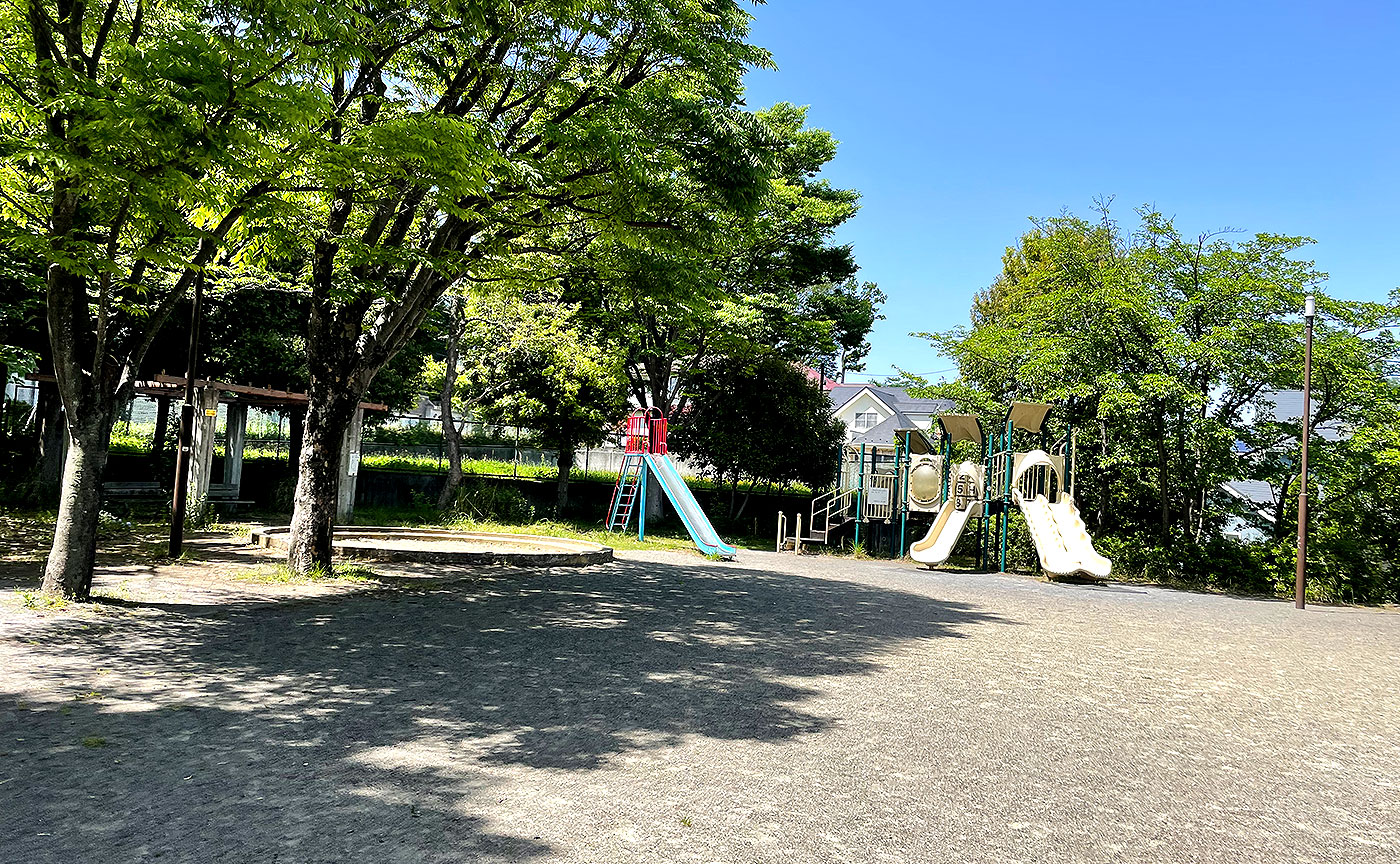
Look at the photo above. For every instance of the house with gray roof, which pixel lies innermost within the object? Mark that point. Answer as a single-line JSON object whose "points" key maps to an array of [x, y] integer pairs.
{"points": [[872, 413]]}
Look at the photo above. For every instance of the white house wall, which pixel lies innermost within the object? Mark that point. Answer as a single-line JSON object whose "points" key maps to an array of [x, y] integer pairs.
{"points": [[863, 401]]}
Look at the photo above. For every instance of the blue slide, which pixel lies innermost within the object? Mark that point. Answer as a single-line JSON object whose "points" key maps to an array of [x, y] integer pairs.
{"points": [[701, 531]]}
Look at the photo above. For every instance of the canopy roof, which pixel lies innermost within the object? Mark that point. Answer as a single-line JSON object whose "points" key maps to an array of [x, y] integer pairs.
{"points": [[1029, 416], [917, 439], [961, 427]]}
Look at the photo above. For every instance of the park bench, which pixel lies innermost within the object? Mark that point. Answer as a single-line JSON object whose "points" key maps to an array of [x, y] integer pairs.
{"points": [[220, 494], [225, 495], [133, 490]]}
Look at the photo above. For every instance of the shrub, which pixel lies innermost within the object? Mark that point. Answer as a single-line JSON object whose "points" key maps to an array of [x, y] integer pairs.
{"points": [[482, 499]]}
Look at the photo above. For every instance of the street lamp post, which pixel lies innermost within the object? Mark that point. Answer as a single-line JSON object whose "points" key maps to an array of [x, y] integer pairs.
{"points": [[1301, 582]]}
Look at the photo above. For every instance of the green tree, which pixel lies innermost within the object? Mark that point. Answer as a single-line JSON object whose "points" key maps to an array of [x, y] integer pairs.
{"points": [[720, 275], [463, 140], [529, 364], [22, 344], [134, 143], [759, 418], [852, 308], [1164, 351]]}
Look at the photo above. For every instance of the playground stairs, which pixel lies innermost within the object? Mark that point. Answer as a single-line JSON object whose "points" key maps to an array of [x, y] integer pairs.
{"points": [[829, 512], [625, 493]]}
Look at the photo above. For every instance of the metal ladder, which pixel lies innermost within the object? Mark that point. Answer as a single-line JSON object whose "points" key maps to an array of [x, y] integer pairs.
{"points": [[624, 497]]}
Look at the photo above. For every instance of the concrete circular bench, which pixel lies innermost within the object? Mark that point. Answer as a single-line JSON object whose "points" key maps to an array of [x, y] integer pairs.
{"points": [[438, 546]]}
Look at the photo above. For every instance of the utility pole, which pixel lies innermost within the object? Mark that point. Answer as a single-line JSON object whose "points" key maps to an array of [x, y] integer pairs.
{"points": [[183, 447], [1301, 582]]}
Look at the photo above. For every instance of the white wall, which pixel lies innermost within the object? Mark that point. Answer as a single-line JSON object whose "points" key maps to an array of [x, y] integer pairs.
{"points": [[864, 401]]}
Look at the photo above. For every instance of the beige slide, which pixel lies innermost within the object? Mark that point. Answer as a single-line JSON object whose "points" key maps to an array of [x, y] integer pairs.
{"points": [[938, 543], [1061, 539]]}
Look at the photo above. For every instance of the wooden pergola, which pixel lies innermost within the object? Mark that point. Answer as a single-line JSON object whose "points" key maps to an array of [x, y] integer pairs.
{"points": [[238, 398]]}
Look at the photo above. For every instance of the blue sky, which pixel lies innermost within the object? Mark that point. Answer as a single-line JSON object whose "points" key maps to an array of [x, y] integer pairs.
{"points": [[958, 122]]}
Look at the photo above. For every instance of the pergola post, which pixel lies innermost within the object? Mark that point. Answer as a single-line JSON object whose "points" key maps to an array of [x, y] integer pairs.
{"points": [[296, 428], [206, 408], [158, 436], [349, 469], [235, 429], [53, 437]]}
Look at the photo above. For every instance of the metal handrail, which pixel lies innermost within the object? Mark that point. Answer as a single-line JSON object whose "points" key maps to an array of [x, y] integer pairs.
{"points": [[835, 501]]}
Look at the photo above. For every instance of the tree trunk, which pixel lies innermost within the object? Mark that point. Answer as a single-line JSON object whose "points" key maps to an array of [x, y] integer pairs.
{"points": [[659, 383], [68, 570], [318, 482], [452, 445], [451, 438], [566, 466], [744, 505]]}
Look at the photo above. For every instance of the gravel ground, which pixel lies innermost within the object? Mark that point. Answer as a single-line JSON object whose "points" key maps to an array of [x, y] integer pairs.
{"points": [[669, 708]]}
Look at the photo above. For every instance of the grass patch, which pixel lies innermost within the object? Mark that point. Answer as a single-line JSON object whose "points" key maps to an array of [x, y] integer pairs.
{"points": [[280, 574], [663, 538], [42, 601], [665, 535], [94, 741], [420, 464]]}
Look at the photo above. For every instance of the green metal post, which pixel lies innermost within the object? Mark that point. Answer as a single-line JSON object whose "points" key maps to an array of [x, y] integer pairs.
{"points": [[902, 466], [1007, 465], [985, 521], [945, 448], [642, 500]]}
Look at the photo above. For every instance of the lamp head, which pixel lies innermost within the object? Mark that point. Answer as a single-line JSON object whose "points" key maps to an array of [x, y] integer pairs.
{"points": [[1309, 307]]}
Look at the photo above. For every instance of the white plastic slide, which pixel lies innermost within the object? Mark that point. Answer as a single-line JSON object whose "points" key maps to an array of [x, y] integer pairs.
{"points": [[937, 545], [696, 522], [1061, 540], [1075, 535]]}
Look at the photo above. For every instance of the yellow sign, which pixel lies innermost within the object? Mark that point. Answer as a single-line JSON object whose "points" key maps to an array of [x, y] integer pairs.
{"points": [[211, 412]]}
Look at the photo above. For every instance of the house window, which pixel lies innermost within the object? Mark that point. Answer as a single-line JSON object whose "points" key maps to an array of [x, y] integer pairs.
{"points": [[866, 420]]}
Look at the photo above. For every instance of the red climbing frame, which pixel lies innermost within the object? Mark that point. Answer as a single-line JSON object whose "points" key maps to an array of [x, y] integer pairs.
{"points": [[646, 431]]}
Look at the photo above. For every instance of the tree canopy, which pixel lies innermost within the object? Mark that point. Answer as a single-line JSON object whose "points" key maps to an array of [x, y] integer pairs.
{"points": [[135, 144], [761, 419], [1166, 351], [718, 277], [530, 364]]}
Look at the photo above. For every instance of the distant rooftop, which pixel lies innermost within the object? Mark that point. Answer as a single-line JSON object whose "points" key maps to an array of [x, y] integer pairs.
{"points": [[896, 397], [1288, 406]]}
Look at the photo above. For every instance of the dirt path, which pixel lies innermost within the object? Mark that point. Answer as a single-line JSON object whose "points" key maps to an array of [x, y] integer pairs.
{"points": [[668, 708]]}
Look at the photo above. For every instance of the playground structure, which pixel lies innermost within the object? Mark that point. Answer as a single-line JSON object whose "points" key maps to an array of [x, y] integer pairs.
{"points": [[959, 475], [646, 456]]}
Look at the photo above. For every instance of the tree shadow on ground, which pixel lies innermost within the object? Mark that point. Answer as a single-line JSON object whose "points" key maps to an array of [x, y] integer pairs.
{"points": [[377, 724]]}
